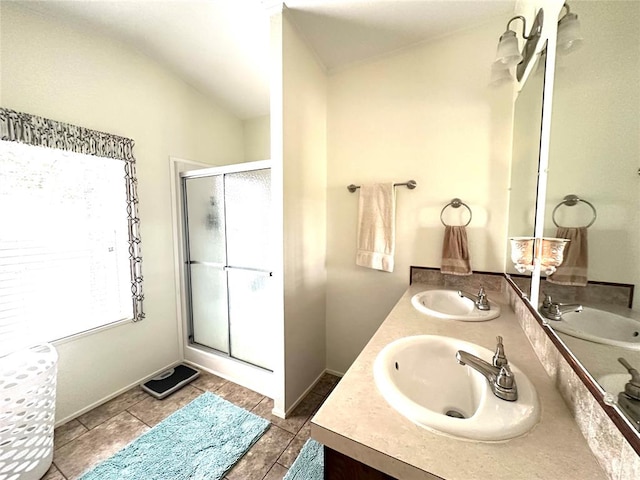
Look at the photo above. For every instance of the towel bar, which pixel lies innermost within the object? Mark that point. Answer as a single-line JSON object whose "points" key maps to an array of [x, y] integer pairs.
{"points": [[411, 184], [456, 203], [570, 201]]}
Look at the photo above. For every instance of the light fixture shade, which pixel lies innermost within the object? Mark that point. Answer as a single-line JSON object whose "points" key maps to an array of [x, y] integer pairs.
{"points": [[569, 34], [552, 254], [523, 253], [508, 50], [528, 252], [500, 74]]}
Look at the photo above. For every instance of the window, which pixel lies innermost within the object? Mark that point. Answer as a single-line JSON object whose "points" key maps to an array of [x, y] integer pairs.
{"points": [[69, 244]]}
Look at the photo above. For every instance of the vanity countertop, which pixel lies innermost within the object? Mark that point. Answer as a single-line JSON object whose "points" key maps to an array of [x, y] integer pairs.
{"points": [[356, 420]]}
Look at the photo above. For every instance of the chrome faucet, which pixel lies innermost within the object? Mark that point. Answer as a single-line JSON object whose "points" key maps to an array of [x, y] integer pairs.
{"points": [[553, 310], [499, 375], [479, 300], [629, 399]]}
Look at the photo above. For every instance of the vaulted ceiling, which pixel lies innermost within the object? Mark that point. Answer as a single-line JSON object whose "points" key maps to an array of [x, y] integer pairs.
{"points": [[221, 47]]}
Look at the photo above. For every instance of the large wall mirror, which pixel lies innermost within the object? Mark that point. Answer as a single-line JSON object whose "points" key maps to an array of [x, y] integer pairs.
{"points": [[524, 157], [593, 190], [594, 154]]}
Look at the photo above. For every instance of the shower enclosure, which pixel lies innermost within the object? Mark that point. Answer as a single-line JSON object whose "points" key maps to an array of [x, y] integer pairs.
{"points": [[228, 275]]}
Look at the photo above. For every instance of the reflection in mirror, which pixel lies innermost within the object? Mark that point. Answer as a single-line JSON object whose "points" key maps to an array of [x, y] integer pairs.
{"points": [[594, 153], [526, 148]]}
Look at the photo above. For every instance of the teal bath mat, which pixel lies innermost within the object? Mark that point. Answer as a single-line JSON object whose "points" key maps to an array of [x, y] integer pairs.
{"points": [[202, 440], [310, 463]]}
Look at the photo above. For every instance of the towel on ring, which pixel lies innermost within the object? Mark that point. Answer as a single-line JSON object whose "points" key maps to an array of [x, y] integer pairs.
{"points": [[574, 266], [455, 251], [376, 226]]}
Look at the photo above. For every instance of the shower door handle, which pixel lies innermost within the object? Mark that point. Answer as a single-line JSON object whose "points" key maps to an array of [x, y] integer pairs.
{"points": [[254, 270], [224, 267], [221, 266]]}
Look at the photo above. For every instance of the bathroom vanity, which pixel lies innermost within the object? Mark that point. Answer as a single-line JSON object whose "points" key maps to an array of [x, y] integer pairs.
{"points": [[366, 438]]}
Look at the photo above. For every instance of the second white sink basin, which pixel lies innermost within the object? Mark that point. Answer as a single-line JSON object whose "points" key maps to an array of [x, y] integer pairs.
{"points": [[420, 377], [448, 305], [600, 326]]}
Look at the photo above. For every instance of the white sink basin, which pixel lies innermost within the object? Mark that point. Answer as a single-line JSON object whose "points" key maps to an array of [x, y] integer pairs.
{"points": [[448, 305], [600, 327], [420, 377]]}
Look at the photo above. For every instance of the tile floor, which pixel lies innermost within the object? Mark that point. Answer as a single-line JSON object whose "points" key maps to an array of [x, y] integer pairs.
{"points": [[95, 436]]}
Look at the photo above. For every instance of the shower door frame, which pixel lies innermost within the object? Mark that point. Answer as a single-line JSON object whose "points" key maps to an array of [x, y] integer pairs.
{"points": [[215, 361]]}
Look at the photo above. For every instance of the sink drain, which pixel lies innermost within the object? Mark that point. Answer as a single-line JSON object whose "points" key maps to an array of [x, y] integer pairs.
{"points": [[454, 414]]}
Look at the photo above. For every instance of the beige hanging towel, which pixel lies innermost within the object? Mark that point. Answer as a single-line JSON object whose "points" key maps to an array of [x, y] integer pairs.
{"points": [[455, 251], [573, 270], [376, 226]]}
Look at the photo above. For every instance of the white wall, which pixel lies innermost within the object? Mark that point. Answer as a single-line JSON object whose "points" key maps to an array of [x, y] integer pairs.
{"points": [[304, 102], [257, 144], [276, 140], [425, 114], [79, 77]]}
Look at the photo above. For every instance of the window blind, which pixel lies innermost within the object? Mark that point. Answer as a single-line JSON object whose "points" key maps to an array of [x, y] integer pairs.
{"points": [[69, 245]]}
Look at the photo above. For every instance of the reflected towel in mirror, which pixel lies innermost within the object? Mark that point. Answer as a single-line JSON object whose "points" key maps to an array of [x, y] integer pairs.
{"points": [[573, 270], [455, 251]]}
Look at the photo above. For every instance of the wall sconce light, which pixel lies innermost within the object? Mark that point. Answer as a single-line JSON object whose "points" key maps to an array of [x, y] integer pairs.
{"points": [[500, 74], [569, 33], [528, 252], [509, 55]]}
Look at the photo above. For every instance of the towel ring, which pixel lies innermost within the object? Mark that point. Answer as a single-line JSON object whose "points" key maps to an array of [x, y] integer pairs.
{"points": [[570, 201], [456, 203]]}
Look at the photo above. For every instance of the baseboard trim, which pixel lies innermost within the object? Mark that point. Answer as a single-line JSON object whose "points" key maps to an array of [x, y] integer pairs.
{"points": [[73, 416], [281, 414], [277, 412]]}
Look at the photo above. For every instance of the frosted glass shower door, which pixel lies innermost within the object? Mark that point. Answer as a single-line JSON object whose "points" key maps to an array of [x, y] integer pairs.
{"points": [[228, 259], [248, 209], [206, 261]]}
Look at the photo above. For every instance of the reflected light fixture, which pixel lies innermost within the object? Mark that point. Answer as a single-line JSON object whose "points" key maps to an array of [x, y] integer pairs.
{"points": [[529, 252], [500, 74], [509, 55], [569, 32]]}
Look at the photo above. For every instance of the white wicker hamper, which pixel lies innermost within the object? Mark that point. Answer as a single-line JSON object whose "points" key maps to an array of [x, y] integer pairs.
{"points": [[27, 412]]}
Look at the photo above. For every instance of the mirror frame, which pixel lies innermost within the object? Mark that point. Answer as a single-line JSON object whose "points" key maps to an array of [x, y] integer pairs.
{"points": [[620, 420]]}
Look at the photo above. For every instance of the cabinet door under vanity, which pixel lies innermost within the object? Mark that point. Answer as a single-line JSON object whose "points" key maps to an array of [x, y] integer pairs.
{"points": [[341, 467]]}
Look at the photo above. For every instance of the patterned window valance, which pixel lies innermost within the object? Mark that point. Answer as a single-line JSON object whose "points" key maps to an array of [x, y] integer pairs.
{"points": [[42, 132]]}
